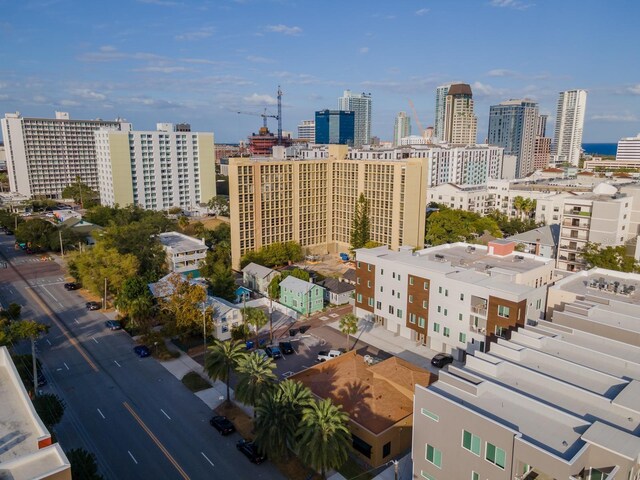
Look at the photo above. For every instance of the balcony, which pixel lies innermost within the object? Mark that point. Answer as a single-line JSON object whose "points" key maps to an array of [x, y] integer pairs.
{"points": [[573, 224], [573, 248], [577, 213], [478, 325]]}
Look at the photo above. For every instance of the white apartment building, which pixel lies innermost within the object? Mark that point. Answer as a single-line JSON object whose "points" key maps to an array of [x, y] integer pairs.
{"points": [[360, 104], [45, 155], [307, 130], [184, 254], [155, 170], [455, 298], [567, 142], [551, 402], [401, 128], [629, 149]]}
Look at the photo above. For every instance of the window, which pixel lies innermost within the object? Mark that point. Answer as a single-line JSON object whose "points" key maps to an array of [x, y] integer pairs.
{"points": [[439, 289], [410, 280], [368, 283], [446, 293], [358, 264], [410, 298], [371, 302], [471, 442], [379, 305], [446, 331], [439, 309], [429, 414], [361, 446], [399, 313], [462, 296], [436, 327], [424, 474], [426, 285], [538, 304], [412, 318], [495, 455], [596, 474], [391, 310], [393, 274], [358, 280], [475, 476], [503, 311], [445, 312], [421, 322], [462, 337], [460, 316], [433, 455], [424, 304], [368, 268], [398, 276], [359, 298], [386, 449]]}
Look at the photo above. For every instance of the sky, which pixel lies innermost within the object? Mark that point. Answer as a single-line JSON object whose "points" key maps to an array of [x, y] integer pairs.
{"points": [[201, 62]]}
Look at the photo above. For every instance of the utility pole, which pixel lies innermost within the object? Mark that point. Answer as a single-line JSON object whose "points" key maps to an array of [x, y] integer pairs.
{"points": [[395, 469], [104, 306], [204, 331], [61, 246], [35, 367]]}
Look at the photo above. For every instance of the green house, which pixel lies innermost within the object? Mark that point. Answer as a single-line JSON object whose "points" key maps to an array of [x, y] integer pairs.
{"points": [[303, 297]]}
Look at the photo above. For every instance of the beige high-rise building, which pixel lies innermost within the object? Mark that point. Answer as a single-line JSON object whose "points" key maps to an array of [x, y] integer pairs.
{"points": [[312, 201], [460, 123]]}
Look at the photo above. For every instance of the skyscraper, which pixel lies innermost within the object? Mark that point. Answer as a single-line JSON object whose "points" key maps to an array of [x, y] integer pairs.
{"points": [[513, 125], [307, 130], [360, 104], [335, 126], [567, 142], [402, 128], [441, 97], [460, 124]]}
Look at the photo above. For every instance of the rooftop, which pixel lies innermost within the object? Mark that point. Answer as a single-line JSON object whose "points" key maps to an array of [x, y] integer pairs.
{"points": [[179, 243], [547, 235], [605, 287], [336, 286], [375, 396], [257, 270], [296, 285]]}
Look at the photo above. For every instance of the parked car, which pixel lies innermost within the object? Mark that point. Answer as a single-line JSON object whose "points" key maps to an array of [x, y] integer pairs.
{"points": [[286, 347], [142, 351], [250, 451], [261, 352], [113, 324], [441, 359], [222, 424], [8, 232], [273, 352], [93, 306], [325, 355], [72, 286]]}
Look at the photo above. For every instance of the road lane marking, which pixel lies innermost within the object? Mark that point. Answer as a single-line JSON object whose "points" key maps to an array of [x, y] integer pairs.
{"points": [[101, 414], [76, 320], [67, 366], [156, 441], [207, 459], [94, 339], [50, 294], [132, 457], [165, 414], [116, 362], [47, 340]]}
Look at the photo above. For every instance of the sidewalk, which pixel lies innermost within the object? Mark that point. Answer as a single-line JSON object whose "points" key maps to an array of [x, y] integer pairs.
{"points": [[213, 396]]}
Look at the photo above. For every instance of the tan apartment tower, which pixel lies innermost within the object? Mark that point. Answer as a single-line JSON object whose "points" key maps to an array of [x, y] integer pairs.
{"points": [[460, 123]]}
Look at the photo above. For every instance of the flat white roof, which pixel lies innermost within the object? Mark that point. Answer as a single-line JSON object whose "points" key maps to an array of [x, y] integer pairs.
{"points": [[600, 284], [179, 243]]}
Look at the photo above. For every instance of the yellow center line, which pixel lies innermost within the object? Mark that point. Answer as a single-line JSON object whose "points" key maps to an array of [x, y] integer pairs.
{"points": [[156, 441]]}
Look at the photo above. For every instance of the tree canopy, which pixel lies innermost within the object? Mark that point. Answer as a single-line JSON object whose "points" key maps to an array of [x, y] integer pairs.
{"points": [[450, 226], [220, 205], [360, 228], [184, 304], [612, 258], [81, 193], [273, 255]]}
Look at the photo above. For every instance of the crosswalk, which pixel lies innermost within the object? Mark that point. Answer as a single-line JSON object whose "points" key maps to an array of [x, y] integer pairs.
{"points": [[22, 261], [45, 281]]}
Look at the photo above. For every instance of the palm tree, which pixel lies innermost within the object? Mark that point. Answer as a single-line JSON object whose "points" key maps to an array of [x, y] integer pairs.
{"points": [[255, 378], [222, 359], [518, 204], [275, 424], [324, 438], [349, 325]]}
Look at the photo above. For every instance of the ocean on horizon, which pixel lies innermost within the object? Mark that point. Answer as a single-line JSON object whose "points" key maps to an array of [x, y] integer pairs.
{"points": [[600, 148]]}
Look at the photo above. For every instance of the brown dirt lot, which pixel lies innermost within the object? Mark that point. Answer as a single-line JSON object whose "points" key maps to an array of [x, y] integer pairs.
{"points": [[211, 222]]}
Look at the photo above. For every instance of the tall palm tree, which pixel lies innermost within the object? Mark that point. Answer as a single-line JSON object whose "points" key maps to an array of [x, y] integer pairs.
{"points": [[255, 378], [275, 424], [222, 359], [349, 325], [324, 438]]}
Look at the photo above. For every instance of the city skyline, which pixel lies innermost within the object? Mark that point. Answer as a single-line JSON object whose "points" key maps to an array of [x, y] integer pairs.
{"points": [[155, 61]]}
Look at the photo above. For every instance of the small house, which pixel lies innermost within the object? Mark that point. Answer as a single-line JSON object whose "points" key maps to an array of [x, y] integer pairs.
{"points": [[303, 297]]}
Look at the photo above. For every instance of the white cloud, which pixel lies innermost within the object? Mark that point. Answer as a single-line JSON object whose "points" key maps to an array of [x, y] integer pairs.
{"points": [[257, 59], [284, 29], [40, 99], [161, 69], [422, 11], [88, 94], [198, 34], [256, 99], [501, 72], [364, 50], [515, 4], [484, 89], [69, 103], [108, 53], [635, 89], [613, 117]]}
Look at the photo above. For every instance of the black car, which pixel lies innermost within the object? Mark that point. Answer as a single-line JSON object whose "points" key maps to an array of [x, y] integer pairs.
{"points": [[93, 306], [273, 351], [250, 451], [142, 351], [222, 424], [72, 286], [286, 347], [9, 232], [113, 324], [441, 359]]}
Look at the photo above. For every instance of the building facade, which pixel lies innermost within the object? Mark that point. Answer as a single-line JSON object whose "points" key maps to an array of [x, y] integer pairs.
{"points": [[45, 155], [454, 298], [567, 142], [312, 201], [513, 125], [629, 149], [155, 170], [441, 100], [303, 297], [184, 254], [335, 127], [360, 105], [460, 123], [401, 128], [307, 130]]}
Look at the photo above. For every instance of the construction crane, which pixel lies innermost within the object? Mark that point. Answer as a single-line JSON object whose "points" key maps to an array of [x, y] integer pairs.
{"points": [[265, 115], [415, 117]]}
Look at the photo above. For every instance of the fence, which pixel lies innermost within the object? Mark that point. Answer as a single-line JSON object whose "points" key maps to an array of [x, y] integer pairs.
{"points": [[265, 302]]}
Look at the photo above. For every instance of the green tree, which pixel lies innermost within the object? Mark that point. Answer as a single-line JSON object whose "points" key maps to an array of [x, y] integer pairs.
{"points": [[323, 436], [37, 233], [219, 205], [183, 302], [31, 330], [81, 193], [360, 228], [349, 326], [222, 359], [49, 408], [254, 317], [274, 255], [255, 378], [135, 301], [222, 282], [83, 465], [612, 258], [450, 226]]}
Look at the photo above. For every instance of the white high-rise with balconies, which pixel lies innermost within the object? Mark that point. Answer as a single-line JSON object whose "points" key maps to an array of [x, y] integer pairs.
{"points": [[360, 104], [402, 128], [567, 143]]}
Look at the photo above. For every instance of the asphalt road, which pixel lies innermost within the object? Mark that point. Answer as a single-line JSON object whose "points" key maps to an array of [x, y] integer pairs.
{"points": [[138, 419]]}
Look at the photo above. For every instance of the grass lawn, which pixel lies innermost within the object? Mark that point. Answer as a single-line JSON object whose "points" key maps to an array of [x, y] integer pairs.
{"points": [[195, 382], [292, 469]]}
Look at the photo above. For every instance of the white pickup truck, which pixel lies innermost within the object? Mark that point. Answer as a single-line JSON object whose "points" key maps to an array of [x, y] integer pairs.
{"points": [[325, 355]]}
